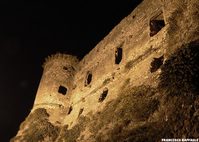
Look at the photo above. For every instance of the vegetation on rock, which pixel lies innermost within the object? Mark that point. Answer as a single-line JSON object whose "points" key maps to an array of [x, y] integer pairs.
{"points": [[37, 128]]}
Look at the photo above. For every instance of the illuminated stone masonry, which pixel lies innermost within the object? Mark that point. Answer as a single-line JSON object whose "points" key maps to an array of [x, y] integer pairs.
{"points": [[135, 85]]}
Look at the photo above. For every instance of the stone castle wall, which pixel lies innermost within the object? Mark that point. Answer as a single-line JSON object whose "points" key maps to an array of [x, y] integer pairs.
{"points": [[130, 55]]}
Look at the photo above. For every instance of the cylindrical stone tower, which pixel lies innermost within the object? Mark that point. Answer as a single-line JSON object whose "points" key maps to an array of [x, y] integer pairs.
{"points": [[57, 82]]}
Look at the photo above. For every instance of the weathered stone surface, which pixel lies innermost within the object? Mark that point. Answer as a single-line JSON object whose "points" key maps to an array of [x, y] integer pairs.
{"points": [[140, 83]]}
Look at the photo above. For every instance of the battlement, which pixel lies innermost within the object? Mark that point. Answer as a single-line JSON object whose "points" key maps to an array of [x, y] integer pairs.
{"points": [[62, 58]]}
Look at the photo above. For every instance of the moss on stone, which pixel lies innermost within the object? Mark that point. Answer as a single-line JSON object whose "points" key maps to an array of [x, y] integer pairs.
{"points": [[135, 104], [71, 135], [36, 128], [183, 117], [148, 132], [180, 72]]}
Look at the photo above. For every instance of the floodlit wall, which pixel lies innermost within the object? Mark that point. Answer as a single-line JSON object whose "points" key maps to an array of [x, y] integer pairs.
{"points": [[130, 55]]}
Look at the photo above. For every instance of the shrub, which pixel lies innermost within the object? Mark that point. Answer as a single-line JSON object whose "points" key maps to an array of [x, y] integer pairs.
{"points": [[180, 72]]}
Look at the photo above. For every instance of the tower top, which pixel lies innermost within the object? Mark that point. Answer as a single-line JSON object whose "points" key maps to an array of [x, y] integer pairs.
{"points": [[66, 58]]}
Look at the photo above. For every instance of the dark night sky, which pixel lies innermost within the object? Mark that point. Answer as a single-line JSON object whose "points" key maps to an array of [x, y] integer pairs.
{"points": [[31, 31]]}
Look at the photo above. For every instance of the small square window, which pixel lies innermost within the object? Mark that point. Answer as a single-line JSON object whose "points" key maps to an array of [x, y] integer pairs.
{"points": [[156, 24], [62, 90]]}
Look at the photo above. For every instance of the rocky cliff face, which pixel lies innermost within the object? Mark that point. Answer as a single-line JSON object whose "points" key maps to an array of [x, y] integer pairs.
{"points": [[142, 85]]}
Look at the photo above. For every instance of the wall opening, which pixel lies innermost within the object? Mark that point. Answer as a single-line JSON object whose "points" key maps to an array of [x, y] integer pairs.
{"points": [[156, 63], [62, 90], [80, 111], [65, 68], [156, 24], [118, 55], [88, 78], [70, 109], [103, 95], [68, 68]]}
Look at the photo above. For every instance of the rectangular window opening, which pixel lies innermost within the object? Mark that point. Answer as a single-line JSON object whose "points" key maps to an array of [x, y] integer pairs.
{"points": [[118, 55], [156, 24]]}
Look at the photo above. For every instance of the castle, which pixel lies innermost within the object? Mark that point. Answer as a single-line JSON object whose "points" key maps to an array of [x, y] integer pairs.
{"points": [[132, 55]]}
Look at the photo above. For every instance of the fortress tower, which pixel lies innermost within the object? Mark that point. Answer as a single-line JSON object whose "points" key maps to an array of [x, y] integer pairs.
{"points": [[57, 82]]}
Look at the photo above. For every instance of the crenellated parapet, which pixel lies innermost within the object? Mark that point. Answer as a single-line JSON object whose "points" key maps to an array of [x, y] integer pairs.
{"points": [[62, 58]]}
